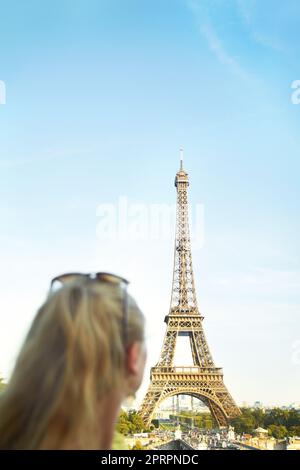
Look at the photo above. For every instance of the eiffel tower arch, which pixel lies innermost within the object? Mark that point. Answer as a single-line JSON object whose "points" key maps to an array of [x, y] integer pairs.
{"points": [[202, 380]]}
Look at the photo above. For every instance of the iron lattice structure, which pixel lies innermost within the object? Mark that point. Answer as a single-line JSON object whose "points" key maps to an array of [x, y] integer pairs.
{"points": [[203, 379]]}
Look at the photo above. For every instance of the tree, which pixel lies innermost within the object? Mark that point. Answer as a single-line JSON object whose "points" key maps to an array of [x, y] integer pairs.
{"points": [[137, 446], [259, 416], [294, 431], [130, 423], [244, 423], [293, 418], [277, 431], [279, 422], [123, 425], [277, 416], [136, 421]]}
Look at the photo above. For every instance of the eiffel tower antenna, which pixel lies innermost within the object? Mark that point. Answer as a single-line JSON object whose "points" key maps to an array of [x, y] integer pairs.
{"points": [[202, 380], [181, 158]]}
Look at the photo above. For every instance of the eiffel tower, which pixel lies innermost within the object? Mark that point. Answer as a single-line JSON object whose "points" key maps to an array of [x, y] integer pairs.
{"points": [[203, 379]]}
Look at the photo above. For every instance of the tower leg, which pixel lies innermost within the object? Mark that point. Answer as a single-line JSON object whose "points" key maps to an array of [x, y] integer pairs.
{"points": [[168, 348], [217, 414], [150, 402]]}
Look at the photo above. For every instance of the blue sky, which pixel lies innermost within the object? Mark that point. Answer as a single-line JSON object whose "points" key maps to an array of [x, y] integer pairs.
{"points": [[100, 95]]}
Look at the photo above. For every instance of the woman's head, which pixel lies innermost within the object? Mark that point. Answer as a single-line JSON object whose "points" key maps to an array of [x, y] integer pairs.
{"points": [[73, 358]]}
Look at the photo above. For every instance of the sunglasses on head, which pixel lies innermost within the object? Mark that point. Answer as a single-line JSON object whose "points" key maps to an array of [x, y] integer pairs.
{"points": [[61, 280]]}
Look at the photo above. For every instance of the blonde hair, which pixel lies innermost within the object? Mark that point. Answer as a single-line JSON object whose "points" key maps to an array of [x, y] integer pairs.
{"points": [[72, 356]]}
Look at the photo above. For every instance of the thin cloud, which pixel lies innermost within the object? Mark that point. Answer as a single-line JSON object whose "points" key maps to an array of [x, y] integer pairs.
{"points": [[214, 42], [217, 47], [246, 13]]}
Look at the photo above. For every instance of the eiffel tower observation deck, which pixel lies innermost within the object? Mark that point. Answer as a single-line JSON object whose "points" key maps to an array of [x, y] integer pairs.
{"points": [[202, 380]]}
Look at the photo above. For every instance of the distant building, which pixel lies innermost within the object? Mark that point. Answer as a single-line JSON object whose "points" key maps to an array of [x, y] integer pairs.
{"points": [[258, 404], [264, 442], [293, 443]]}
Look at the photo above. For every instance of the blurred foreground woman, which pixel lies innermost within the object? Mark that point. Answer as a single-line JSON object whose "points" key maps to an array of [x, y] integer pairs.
{"points": [[84, 354]]}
